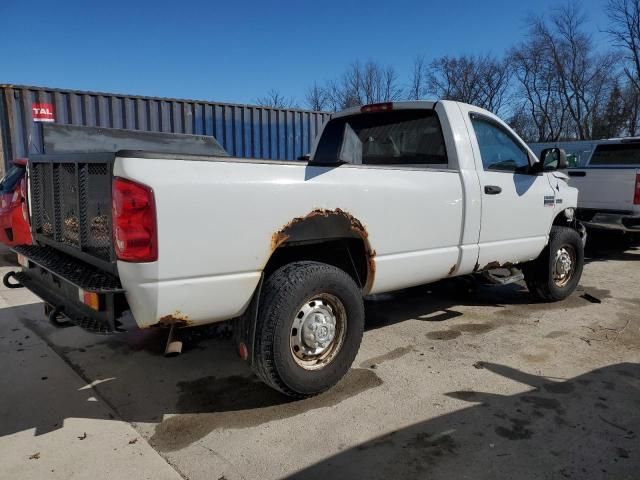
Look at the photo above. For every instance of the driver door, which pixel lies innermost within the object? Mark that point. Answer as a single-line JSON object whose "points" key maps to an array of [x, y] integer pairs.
{"points": [[517, 206]]}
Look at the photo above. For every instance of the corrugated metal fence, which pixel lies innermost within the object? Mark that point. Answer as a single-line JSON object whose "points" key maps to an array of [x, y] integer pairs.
{"points": [[243, 130]]}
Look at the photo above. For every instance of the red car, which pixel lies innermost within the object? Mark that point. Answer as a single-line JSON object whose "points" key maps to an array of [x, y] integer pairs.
{"points": [[14, 211]]}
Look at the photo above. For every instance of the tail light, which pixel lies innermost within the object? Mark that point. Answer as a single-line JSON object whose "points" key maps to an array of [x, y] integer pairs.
{"points": [[636, 197], [135, 230], [24, 199], [25, 212]]}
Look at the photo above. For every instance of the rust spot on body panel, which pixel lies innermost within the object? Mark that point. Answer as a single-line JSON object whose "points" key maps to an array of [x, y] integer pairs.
{"points": [[278, 239], [327, 224], [176, 318], [453, 269]]}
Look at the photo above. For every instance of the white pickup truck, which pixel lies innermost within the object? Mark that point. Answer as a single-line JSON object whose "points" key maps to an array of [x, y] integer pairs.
{"points": [[607, 176], [393, 195], [609, 186]]}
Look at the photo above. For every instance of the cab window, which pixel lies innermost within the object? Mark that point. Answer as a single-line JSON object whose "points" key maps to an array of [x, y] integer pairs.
{"points": [[410, 137], [498, 149], [616, 154]]}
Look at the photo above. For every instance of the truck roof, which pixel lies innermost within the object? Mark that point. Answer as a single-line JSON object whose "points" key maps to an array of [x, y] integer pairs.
{"points": [[380, 107]]}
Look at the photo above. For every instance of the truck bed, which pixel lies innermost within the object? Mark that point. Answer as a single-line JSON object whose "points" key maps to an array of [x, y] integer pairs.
{"points": [[609, 186], [605, 188]]}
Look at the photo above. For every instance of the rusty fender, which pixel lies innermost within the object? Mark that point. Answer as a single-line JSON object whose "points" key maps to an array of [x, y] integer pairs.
{"points": [[326, 224]]}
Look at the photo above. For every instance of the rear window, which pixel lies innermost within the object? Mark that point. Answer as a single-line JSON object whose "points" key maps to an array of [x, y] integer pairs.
{"points": [[10, 181], [403, 137], [616, 154]]}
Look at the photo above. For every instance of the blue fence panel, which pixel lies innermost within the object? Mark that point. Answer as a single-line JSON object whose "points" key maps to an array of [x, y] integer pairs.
{"points": [[243, 130]]}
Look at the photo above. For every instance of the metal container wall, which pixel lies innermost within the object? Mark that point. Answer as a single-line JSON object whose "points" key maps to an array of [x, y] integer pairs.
{"points": [[243, 130]]}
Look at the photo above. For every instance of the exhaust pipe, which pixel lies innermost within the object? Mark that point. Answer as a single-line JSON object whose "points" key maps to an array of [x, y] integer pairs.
{"points": [[173, 347], [56, 316]]}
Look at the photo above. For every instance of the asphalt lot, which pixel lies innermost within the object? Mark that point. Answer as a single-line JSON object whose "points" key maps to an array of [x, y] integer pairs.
{"points": [[450, 382]]}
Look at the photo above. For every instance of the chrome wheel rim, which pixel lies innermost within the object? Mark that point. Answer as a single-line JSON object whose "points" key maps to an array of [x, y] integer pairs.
{"points": [[564, 265], [318, 331]]}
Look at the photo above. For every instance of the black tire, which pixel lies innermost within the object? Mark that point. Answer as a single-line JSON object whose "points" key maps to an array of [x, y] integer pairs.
{"points": [[283, 295], [539, 274]]}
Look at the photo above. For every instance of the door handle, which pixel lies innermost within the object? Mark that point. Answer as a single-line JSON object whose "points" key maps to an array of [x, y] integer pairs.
{"points": [[577, 174], [492, 189]]}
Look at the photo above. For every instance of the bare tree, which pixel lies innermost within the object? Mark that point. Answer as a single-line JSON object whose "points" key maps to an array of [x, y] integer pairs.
{"points": [[554, 85], [631, 98], [495, 80], [317, 98], [361, 84], [483, 80], [520, 121], [584, 76], [612, 121], [624, 16], [537, 96], [417, 87], [391, 89], [274, 99]]}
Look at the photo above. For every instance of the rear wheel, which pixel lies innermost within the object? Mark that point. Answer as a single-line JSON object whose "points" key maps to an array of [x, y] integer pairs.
{"points": [[555, 274], [310, 325]]}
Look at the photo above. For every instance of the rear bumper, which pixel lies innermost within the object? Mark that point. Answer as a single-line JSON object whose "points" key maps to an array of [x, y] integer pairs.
{"points": [[618, 221], [61, 281]]}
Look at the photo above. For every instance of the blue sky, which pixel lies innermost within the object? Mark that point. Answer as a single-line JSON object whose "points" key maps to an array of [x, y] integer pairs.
{"points": [[236, 51]]}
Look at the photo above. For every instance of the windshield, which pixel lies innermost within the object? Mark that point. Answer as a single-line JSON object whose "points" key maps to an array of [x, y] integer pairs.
{"points": [[403, 137], [10, 180]]}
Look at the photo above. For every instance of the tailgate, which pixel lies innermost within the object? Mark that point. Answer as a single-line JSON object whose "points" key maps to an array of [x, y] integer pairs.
{"points": [[605, 188], [70, 199]]}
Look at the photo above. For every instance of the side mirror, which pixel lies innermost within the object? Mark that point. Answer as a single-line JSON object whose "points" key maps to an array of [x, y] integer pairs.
{"points": [[563, 163], [553, 159]]}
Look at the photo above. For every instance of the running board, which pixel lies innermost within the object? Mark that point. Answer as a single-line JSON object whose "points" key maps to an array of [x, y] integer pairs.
{"points": [[514, 276]]}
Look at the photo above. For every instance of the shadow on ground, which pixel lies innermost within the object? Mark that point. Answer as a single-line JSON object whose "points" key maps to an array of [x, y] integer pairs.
{"points": [[584, 427], [7, 258], [588, 422], [603, 246], [187, 402], [439, 301], [180, 395]]}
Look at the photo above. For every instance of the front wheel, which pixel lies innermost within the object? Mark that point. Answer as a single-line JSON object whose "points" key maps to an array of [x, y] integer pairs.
{"points": [[310, 325], [555, 274]]}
